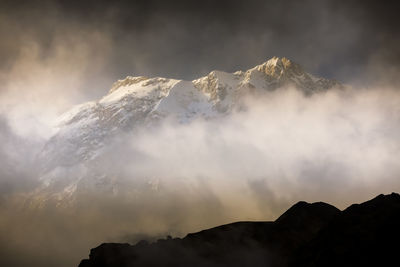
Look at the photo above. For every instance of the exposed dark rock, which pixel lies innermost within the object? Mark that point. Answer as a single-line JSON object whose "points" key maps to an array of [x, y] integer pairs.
{"points": [[316, 234], [366, 234]]}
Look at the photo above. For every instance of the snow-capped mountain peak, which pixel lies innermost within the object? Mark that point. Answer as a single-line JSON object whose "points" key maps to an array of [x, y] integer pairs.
{"points": [[279, 72], [141, 101], [276, 67]]}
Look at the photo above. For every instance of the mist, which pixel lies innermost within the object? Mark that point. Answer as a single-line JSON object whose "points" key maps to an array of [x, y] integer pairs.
{"points": [[339, 146], [171, 179]]}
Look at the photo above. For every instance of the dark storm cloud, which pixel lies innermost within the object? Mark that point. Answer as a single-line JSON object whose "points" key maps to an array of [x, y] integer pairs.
{"points": [[186, 39]]}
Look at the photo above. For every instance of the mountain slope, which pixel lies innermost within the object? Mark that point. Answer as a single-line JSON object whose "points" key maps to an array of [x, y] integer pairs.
{"points": [[69, 157], [135, 101], [315, 234]]}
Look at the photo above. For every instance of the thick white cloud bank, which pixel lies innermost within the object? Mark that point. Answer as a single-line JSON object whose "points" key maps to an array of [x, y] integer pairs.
{"points": [[339, 147]]}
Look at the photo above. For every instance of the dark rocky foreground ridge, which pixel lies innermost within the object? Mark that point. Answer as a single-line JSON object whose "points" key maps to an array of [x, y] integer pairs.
{"points": [[316, 234]]}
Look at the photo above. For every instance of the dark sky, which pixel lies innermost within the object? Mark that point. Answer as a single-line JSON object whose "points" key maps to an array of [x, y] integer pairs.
{"points": [[345, 40]]}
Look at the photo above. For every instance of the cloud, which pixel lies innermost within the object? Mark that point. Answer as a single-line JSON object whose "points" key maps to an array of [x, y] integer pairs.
{"points": [[336, 147], [43, 82], [339, 140], [154, 38]]}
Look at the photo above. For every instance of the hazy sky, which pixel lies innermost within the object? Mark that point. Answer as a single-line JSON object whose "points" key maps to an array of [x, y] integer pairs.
{"points": [[345, 40]]}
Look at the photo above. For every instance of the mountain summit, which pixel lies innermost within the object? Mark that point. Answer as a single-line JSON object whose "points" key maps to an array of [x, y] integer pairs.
{"points": [[282, 71]]}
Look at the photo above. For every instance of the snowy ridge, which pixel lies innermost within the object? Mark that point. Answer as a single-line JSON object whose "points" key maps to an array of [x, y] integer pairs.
{"points": [[139, 101]]}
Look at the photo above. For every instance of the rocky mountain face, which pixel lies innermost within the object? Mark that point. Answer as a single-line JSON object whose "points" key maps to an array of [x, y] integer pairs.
{"points": [[70, 156], [316, 234]]}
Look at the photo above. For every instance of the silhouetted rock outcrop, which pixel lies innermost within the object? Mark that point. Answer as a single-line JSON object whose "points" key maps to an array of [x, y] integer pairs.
{"points": [[366, 234], [316, 234]]}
